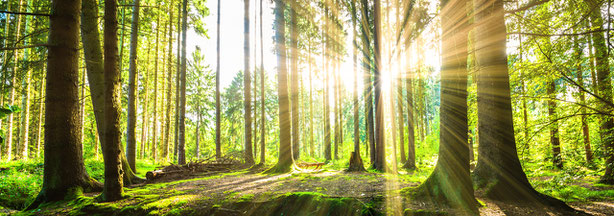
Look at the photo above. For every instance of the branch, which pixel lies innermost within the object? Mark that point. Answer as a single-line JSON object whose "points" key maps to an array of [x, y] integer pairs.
{"points": [[555, 35], [24, 13], [528, 5], [23, 47]]}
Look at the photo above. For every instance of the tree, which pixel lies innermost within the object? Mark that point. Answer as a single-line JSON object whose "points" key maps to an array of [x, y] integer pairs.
{"points": [[294, 53], [131, 128], [557, 159], [181, 144], [498, 171], [380, 154], [218, 109], [262, 92], [249, 158], [355, 159], [95, 74], [284, 161], [450, 182], [64, 174], [111, 150], [604, 86], [326, 106]]}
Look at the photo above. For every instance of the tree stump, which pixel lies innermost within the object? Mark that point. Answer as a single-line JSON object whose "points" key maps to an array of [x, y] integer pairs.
{"points": [[356, 163]]}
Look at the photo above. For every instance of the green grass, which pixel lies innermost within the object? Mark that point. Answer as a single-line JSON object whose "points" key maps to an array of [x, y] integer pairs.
{"points": [[21, 181]]}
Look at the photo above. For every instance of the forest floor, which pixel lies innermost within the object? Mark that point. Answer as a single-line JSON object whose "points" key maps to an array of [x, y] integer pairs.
{"points": [[302, 192]]}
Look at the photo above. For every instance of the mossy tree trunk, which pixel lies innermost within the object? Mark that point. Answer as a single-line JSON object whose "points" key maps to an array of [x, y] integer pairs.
{"points": [[64, 174], [95, 74], [111, 150]]}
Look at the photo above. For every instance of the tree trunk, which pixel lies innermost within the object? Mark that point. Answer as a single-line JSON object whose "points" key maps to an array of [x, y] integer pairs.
{"points": [[498, 171], [39, 130], [95, 74], [554, 126], [584, 125], [311, 142], [411, 143], [325, 85], [178, 78], [197, 143], [249, 159], [380, 149], [262, 92], [167, 131], [154, 138], [111, 150], [181, 145], [64, 174], [294, 51], [284, 162], [450, 182], [604, 84], [145, 117], [393, 121], [25, 115], [132, 82], [9, 131], [218, 109], [355, 159]]}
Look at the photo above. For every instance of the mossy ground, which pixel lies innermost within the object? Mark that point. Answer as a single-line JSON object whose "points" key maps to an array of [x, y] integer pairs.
{"points": [[328, 191]]}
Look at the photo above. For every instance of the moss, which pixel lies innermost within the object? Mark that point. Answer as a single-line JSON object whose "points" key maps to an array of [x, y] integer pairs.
{"points": [[422, 212]]}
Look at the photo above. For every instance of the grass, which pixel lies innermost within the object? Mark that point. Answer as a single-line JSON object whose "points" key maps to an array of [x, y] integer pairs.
{"points": [[20, 181]]}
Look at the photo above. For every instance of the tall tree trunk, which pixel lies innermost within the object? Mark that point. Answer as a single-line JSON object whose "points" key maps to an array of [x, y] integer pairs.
{"points": [[181, 145], [167, 131], [178, 78], [249, 159], [554, 126], [355, 159], [132, 82], [450, 182], [64, 173], [604, 84], [111, 150], [95, 74], [411, 143], [9, 131], [393, 121], [145, 117], [498, 171], [25, 114], [197, 143], [294, 52], [154, 139], [218, 109], [311, 142], [380, 149], [326, 106], [41, 102], [584, 125], [284, 162], [262, 93]]}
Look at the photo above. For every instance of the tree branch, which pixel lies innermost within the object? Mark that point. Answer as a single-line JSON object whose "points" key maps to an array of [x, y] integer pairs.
{"points": [[23, 47], [24, 13]]}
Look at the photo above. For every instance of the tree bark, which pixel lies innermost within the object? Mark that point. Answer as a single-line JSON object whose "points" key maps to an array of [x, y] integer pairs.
{"points": [[9, 131], [41, 104], [584, 125], [111, 150], [604, 85], [498, 171], [154, 139], [249, 159], [380, 149], [554, 126], [294, 51], [262, 93], [167, 131], [95, 74], [450, 182], [132, 80], [218, 109], [64, 175], [181, 145], [284, 162]]}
